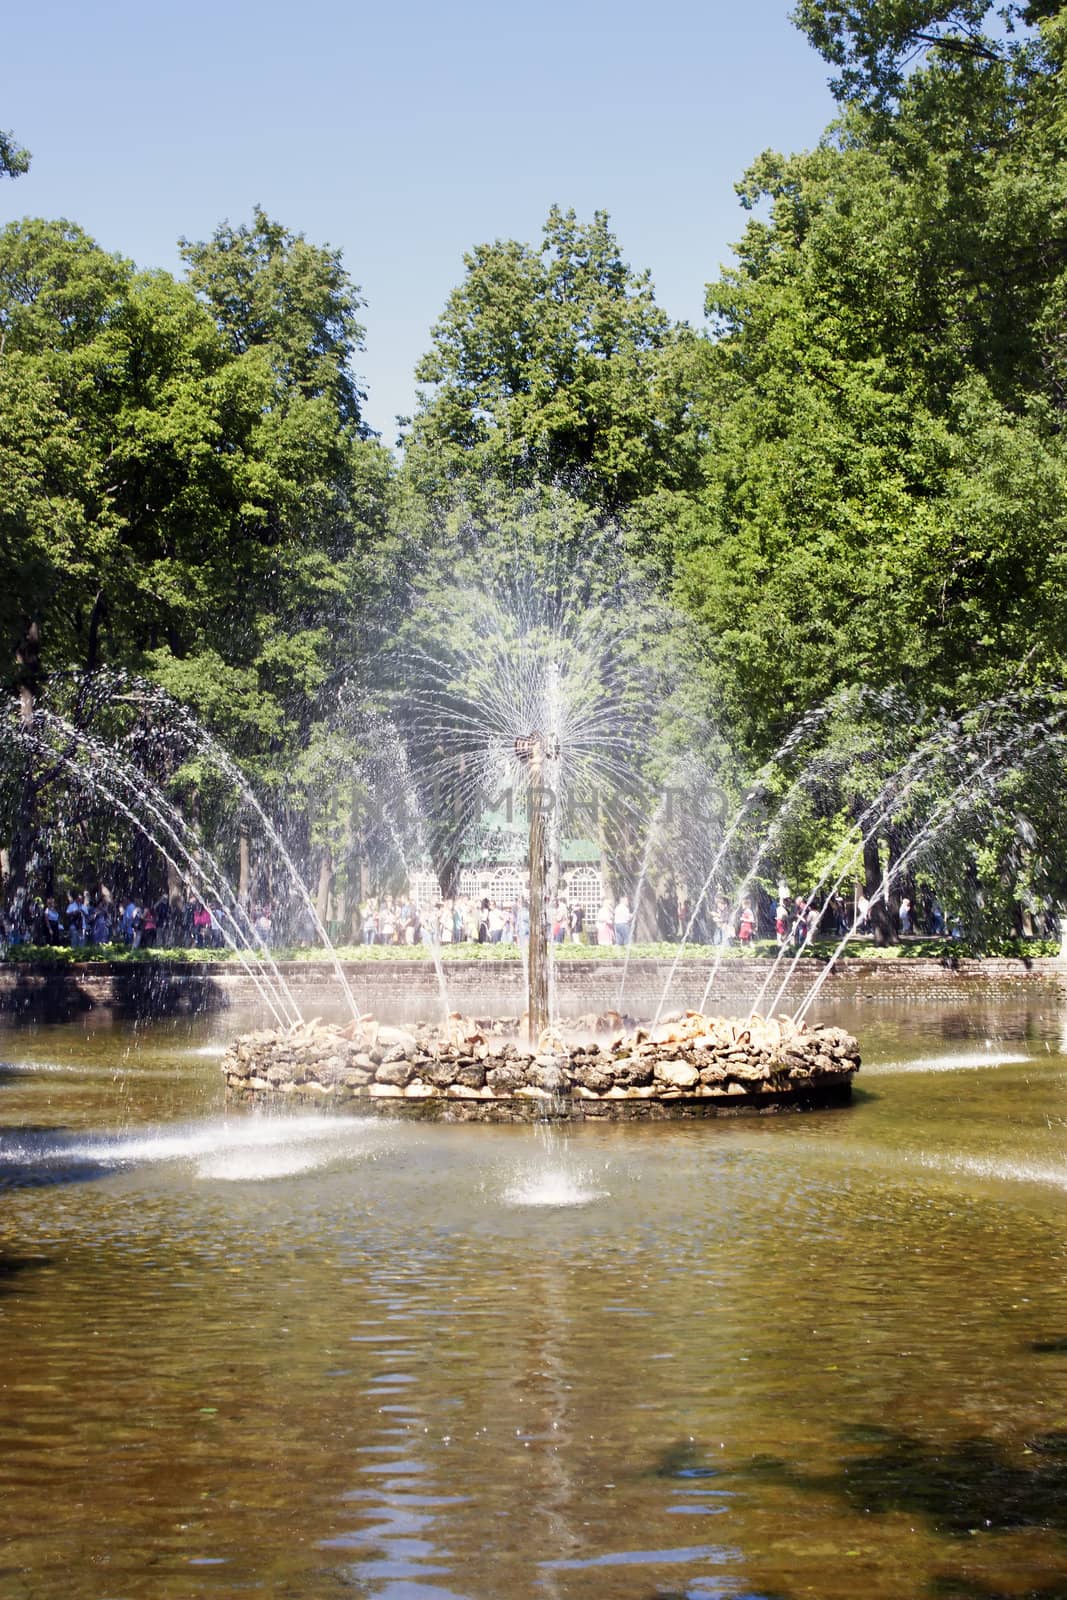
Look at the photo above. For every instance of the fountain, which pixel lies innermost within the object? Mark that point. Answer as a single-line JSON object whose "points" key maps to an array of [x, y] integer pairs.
{"points": [[553, 696], [548, 706]]}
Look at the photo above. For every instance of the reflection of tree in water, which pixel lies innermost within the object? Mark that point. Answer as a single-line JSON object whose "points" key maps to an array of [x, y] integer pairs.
{"points": [[971, 1486], [965, 1589]]}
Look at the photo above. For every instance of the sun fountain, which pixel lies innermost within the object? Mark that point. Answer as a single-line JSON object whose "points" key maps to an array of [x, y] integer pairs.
{"points": [[554, 694], [556, 702]]}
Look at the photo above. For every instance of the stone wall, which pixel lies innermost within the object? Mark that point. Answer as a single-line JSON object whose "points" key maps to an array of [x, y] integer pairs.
{"points": [[696, 1064], [408, 991]]}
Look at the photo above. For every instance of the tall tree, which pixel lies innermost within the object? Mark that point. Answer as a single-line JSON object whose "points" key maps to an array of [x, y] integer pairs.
{"points": [[555, 362], [885, 466]]}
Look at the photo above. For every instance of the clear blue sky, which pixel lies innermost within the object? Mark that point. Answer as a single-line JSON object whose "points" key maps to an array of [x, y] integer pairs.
{"points": [[406, 135]]}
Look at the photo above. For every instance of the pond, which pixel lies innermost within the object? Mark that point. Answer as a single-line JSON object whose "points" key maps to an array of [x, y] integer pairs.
{"points": [[804, 1355]]}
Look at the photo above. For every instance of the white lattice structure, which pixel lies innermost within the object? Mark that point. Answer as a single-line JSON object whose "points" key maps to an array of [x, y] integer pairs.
{"points": [[506, 885], [582, 887]]}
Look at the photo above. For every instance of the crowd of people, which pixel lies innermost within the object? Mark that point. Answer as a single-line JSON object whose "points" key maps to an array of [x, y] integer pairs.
{"points": [[100, 918], [86, 917]]}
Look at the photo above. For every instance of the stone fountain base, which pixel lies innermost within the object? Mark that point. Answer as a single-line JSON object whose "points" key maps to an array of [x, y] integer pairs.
{"points": [[479, 1071]]}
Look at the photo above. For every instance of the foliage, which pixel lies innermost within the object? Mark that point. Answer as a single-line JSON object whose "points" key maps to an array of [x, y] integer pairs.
{"points": [[788, 544], [553, 363], [14, 160]]}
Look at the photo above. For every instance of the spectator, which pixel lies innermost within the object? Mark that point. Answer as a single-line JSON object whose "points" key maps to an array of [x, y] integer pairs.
{"points": [[101, 922], [76, 920], [53, 927]]}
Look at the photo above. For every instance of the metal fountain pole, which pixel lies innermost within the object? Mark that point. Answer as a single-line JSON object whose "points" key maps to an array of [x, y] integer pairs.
{"points": [[536, 752]]}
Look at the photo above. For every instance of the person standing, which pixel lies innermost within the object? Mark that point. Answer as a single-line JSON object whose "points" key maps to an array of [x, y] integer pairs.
{"points": [[905, 916], [76, 921], [746, 923], [101, 922], [622, 920], [53, 926], [605, 923]]}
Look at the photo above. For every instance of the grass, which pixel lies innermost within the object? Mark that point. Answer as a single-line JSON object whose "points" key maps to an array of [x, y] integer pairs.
{"points": [[760, 949]]}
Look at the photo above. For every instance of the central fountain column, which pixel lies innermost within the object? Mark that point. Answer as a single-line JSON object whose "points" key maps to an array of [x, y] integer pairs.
{"points": [[536, 752]]}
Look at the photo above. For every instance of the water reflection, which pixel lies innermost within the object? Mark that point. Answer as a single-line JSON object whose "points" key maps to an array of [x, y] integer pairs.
{"points": [[772, 1357]]}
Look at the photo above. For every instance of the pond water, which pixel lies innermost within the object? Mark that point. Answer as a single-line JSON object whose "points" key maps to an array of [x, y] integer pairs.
{"points": [[763, 1358]]}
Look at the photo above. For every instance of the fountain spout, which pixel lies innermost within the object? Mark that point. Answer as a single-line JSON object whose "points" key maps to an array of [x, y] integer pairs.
{"points": [[538, 753]]}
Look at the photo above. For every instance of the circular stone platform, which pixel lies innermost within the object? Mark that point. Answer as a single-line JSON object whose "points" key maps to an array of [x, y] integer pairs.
{"points": [[691, 1065]]}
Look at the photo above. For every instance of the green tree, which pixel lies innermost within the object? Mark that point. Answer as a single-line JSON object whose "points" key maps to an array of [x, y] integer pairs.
{"points": [[14, 160], [885, 470], [555, 362], [183, 501]]}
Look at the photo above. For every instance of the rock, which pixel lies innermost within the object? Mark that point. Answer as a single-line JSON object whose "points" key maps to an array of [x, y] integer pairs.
{"points": [[598, 1080], [679, 1074], [551, 1077], [471, 1075], [440, 1073], [398, 1071], [396, 1052], [356, 1077], [396, 1039], [632, 1072], [417, 1090], [505, 1079], [386, 1091]]}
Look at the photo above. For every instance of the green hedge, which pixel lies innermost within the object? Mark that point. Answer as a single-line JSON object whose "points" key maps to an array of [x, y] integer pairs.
{"points": [[765, 949]]}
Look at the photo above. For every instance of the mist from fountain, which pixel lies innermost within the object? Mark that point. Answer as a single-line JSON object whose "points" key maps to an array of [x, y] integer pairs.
{"points": [[966, 793], [169, 836], [585, 660]]}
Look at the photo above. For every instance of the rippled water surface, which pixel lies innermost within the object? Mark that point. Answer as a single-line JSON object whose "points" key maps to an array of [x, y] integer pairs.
{"points": [[819, 1356]]}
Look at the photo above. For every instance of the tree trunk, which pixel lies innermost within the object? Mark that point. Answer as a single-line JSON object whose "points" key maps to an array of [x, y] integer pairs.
{"points": [[881, 920], [322, 897]]}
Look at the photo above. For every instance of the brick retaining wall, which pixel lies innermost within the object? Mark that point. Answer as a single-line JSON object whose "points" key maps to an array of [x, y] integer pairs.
{"points": [[405, 991]]}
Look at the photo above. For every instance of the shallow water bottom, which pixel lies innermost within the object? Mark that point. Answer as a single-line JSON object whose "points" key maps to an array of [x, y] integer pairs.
{"points": [[818, 1355]]}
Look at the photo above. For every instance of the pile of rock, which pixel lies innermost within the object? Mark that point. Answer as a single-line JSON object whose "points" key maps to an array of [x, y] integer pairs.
{"points": [[691, 1063]]}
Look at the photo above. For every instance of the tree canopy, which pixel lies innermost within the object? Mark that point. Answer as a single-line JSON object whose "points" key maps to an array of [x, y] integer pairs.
{"points": [[849, 489]]}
